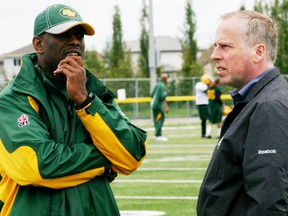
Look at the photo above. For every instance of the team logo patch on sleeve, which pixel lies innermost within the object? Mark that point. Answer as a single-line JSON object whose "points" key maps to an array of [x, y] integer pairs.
{"points": [[23, 120]]}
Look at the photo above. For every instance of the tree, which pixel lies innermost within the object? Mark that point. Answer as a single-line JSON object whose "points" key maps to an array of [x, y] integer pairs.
{"points": [[190, 67], [279, 12], [92, 60], [117, 58], [117, 51], [143, 61]]}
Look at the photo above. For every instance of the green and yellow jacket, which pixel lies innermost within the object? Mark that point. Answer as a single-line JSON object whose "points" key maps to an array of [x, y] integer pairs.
{"points": [[53, 157]]}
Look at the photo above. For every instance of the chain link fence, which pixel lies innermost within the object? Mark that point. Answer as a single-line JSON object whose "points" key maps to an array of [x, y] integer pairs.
{"points": [[140, 87]]}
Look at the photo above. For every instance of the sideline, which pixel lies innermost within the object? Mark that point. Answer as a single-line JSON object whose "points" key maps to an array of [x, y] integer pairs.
{"points": [[171, 169], [158, 197], [168, 98], [156, 181], [141, 213]]}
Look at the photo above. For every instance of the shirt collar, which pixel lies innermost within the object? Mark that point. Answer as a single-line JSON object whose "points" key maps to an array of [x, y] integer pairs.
{"points": [[239, 95]]}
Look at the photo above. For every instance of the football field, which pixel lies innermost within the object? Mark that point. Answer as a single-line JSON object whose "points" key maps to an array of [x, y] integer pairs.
{"points": [[168, 181]]}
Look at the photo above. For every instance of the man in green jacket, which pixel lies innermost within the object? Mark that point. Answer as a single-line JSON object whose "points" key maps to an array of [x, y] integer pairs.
{"points": [[159, 106], [63, 138]]}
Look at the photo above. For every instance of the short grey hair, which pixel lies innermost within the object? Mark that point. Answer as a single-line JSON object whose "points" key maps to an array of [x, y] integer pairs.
{"points": [[259, 28]]}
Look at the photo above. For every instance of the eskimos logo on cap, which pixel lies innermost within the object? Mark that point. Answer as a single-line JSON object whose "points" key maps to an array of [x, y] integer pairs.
{"points": [[67, 13]]}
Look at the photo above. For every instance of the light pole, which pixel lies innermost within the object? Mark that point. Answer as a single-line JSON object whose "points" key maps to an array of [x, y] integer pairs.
{"points": [[152, 60]]}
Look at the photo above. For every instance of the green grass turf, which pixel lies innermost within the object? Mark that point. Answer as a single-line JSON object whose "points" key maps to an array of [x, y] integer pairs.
{"points": [[170, 176]]}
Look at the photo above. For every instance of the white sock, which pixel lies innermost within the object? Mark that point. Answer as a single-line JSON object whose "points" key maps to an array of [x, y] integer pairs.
{"points": [[208, 130], [218, 132]]}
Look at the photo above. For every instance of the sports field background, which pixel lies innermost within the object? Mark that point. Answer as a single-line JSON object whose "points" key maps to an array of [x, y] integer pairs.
{"points": [[168, 181]]}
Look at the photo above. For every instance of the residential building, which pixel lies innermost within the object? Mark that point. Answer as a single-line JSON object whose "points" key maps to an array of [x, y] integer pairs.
{"points": [[168, 56], [12, 61]]}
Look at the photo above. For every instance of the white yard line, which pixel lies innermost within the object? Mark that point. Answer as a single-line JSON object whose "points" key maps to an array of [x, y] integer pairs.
{"points": [[168, 128], [171, 169], [170, 159], [159, 197], [179, 152], [141, 213], [155, 181], [171, 146]]}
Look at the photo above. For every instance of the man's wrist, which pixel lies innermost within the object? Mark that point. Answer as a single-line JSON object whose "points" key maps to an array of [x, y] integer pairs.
{"points": [[88, 100]]}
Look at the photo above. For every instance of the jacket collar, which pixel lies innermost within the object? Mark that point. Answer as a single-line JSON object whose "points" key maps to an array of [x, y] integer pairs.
{"points": [[261, 83], [29, 82]]}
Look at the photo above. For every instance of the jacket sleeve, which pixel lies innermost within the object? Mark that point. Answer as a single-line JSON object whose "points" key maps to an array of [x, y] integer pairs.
{"points": [[122, 143], [163, 92], [29, 156], [265, 159]]}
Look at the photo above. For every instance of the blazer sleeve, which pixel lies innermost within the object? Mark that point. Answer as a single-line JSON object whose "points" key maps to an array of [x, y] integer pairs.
{"points": [[265, 162]]}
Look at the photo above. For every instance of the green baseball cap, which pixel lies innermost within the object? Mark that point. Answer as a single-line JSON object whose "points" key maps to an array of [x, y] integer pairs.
{"points": [[59, 18]]}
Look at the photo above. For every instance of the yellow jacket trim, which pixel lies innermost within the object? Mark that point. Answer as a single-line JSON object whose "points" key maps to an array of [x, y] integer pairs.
{"points": [[107, 142]]}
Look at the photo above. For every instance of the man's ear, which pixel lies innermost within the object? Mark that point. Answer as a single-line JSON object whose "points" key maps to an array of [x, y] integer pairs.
{"points": [[38, 44], [260, 50]]}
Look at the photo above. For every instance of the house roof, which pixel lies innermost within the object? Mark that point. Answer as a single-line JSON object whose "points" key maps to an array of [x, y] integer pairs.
{"points": [[20, 52], [26, 50], [162, 44]]}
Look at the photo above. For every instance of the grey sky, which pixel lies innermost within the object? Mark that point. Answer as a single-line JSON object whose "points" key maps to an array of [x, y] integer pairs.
{"points": [[169, 16]]}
